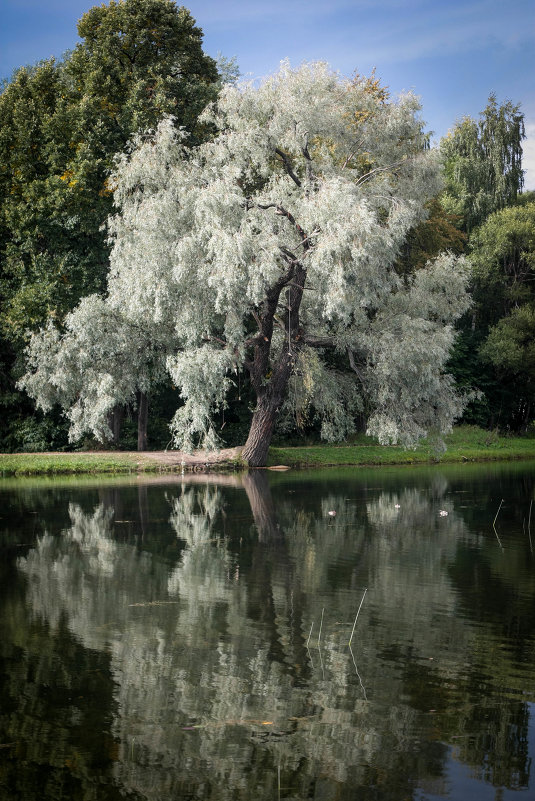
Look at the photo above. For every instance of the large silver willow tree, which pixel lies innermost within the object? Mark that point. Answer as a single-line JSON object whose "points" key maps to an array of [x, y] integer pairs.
{"points": [[272, 246]]}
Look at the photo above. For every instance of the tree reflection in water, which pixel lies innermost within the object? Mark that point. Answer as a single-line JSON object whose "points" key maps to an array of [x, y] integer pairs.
{"points": [[215, 690]]}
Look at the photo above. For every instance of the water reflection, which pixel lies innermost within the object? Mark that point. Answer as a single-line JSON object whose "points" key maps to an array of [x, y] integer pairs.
{"points": [[199, 606]]}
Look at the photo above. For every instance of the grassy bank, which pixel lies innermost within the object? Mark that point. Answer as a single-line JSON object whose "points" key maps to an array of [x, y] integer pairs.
{"points": [[466, 443], [33, 464]]}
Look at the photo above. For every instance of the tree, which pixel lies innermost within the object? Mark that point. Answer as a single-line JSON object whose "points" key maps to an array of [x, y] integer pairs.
{"points": [[38, 251], [274, 243], [502, 252], [483, 170], [436, 234], [483, 163], [97, 364], [503, 256], [60, 125], [138, 60]]}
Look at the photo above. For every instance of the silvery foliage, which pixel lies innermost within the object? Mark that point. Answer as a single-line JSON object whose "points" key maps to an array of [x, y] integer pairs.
{"points": [[98, 361], [307, 164], [317, 394]]}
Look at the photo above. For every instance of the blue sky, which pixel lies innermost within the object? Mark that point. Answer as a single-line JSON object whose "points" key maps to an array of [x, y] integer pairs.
{"points": [[452, 53]]}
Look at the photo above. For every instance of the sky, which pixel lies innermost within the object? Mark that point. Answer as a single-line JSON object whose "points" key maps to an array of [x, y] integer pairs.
{"points": [[452, 53]]}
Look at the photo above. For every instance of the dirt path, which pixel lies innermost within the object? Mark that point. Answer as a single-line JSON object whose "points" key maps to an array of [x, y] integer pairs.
{"points": [[171, 459]]}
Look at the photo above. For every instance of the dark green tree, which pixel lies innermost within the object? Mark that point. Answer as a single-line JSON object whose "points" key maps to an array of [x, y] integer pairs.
{"points": [[60, 126], [502, 252], [138, 60], [61, 123], [503, 255], [35, 240], [494, 352], [434, 235]]}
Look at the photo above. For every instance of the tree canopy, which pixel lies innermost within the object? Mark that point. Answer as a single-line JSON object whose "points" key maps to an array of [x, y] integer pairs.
{"points": [[502, 252], [60, 127], [503, 255], [275, 243], [483, 163]]}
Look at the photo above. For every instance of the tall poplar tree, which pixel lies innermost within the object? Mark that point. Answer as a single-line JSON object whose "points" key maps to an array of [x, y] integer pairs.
{"points": [[483, 163], [484, 175]]}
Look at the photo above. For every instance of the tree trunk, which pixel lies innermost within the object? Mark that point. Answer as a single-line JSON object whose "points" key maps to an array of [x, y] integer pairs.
{"points": [[143, 509], [142, 418], [263, 507], [115, 419], [527, 416], [256, 448], [270, 396]]}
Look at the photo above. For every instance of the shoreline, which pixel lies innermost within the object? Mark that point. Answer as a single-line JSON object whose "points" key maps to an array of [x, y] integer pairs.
{"points": [[465, 444]]}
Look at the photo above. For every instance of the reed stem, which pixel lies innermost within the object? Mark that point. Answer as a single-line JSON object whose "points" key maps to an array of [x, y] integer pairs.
{"points": [[494, 524], [356, 616], [310, 632], [321, 624], [498, 512]]}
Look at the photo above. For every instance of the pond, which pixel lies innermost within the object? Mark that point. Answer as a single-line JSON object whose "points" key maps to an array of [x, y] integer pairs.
{"points": [[342, 634]]}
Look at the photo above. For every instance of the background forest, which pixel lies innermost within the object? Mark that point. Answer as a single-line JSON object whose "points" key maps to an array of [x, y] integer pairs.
{"points": [[63, 122]]}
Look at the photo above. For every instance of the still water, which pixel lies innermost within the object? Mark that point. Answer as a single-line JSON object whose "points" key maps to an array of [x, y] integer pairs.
{"points": [[188, 638]]}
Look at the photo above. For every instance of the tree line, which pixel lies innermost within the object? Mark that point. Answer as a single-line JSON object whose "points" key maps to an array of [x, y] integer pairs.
{"points": [[293, 253]]}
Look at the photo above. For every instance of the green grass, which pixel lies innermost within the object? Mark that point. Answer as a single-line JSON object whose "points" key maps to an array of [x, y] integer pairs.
{"points": [[465, 443], [20, 464]]}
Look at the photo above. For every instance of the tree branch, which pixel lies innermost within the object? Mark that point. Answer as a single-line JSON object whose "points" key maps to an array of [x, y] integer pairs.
{"points": [[318, 342], [288, 214], [306, 153], [256, 316], [351, 154], [353, 365], [215, 339], [289, 257], [371, 173], [302, 288], [279, 322], [288, 166], [282, 212]]}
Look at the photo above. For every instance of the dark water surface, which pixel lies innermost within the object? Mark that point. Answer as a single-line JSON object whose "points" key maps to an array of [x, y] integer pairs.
{"points": [[188, 638]]}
